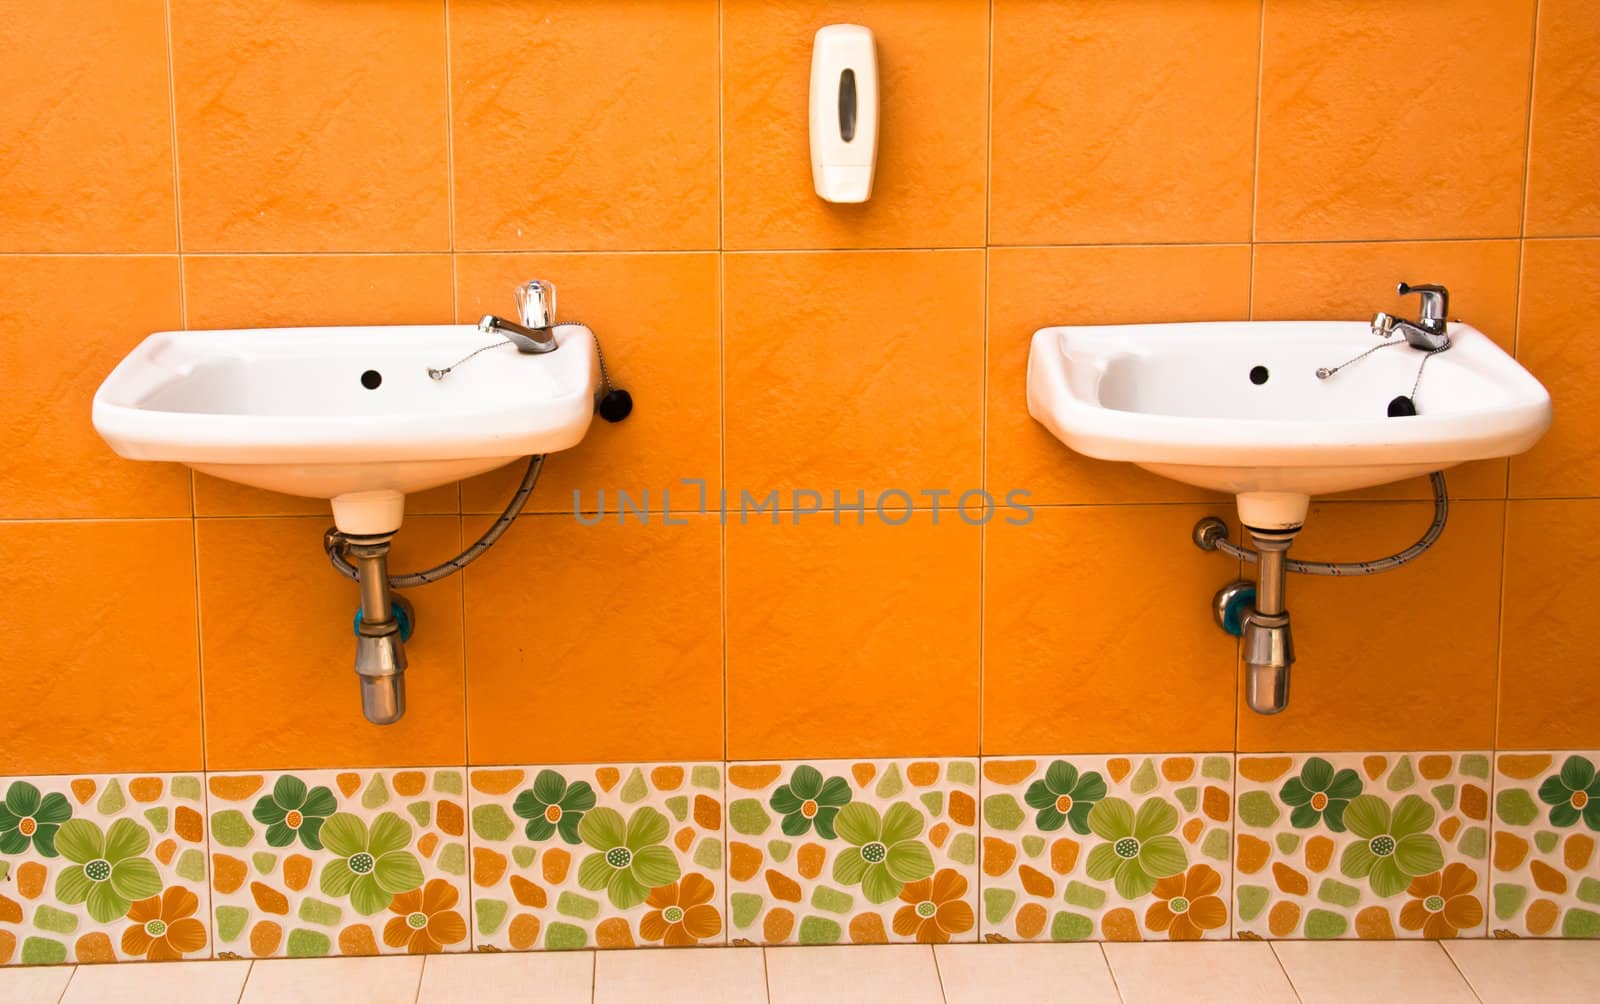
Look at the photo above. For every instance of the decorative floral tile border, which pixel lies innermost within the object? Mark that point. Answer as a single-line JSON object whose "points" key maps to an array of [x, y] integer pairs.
{"points": [[1114, 848], [1348, 845], [598, 855], [103, 868], [824, 851], [361, 862], [1546, 875]]}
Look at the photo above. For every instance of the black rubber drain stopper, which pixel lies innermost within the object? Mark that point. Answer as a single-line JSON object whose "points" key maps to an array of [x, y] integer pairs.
{"points": [[1402, 406]]}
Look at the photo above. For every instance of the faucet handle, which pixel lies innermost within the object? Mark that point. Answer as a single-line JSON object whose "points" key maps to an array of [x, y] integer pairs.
{"points": [[1435, 304], [536, 303]]}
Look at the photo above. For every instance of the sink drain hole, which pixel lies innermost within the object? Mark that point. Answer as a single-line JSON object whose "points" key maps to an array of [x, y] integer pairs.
{"points": [[372, 378], [1258, 375]]}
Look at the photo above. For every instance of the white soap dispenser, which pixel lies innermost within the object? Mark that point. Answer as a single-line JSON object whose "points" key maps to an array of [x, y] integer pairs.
{"points": [[844, 112]]}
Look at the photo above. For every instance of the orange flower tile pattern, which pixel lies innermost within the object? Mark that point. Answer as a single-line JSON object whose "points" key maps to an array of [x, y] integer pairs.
{"points": [[357, 862], [1544, 876], [103, 868], [1123, 848], [1351, 845], [597, 856], [861, 851]]}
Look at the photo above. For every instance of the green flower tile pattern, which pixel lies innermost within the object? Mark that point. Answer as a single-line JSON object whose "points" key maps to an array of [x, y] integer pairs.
{"points": [[362, 862], [597, 856], [1545, 879], [1362, 845], [1108, 848], [828, 851], [103, 868]]}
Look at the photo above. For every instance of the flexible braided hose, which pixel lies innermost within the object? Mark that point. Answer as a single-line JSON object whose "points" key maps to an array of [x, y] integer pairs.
{"points": [[333, 541], [1441, 511]]}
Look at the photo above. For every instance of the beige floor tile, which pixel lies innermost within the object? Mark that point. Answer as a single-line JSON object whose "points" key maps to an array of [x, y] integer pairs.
{"points": [[857, 974], [1372, 972], [560, 977], [1223, 972], [371, 980], [1552, 972], [689, 976], [33, 984], [1025, 974], [137, 983]]}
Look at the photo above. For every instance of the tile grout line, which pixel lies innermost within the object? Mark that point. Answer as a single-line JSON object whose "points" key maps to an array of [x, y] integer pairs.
{"points": [[1464, 981], [937, 975], [250, 965], [1272, 945], [594, 975], [766, 973], [983, 406], [67, 985], [1106, 960]]}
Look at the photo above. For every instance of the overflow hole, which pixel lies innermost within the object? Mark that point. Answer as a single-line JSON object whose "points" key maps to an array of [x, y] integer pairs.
{"points": [[371, 379], [1258, 375]]}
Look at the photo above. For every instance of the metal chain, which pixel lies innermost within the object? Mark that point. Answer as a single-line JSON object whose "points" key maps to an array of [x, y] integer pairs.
{"points": [[1324, 372], [605, 376]]}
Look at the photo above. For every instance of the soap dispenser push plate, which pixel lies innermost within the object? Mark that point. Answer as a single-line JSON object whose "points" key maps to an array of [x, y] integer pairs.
{"points": [[844, 112]]}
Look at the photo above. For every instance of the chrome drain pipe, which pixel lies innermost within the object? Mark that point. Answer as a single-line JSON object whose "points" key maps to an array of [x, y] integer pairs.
{"points": [[1268, 643], [380, 648]]}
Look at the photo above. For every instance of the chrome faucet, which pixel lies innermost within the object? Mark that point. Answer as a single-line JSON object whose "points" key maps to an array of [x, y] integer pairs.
{"points": [[536, 305], [1428, 331]]}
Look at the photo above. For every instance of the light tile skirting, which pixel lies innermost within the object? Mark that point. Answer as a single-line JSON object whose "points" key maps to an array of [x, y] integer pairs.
{"points": [[1388, 844]]}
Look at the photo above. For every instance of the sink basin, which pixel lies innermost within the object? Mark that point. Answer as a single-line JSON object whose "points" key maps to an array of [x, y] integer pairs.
{"points": [[1237, 406], [348, 414]]}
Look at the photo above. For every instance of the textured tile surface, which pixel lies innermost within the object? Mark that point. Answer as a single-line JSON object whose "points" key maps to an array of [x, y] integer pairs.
{"points": [[371, 981], [974, 974], [901, 973], [1107, 848], [1378, 973], [103, 868], [853, 851], [597, 856], [207, 982], [561, 977], [359, 862], [1546, 876], [1502, 971], [1213, 973], [728, 976], [1351, 845], [1564, 137]]}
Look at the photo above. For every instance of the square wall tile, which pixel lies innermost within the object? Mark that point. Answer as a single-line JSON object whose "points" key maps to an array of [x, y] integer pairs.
{"points": [[1549, 631], [1560, 292], [597, 856], [587, 126], [103, 868], [1336, 157], [324, 129], [1077, 161], [1033, 288], [1136, 848], [357, 862], [1350, 282], [606, 632], [657, 317], [1371, 662], [1362, 845], [846, 635], [1564, 138], [111, 686], [1546, 879], [249, 291], [1098, 632], [928, 188], [278, 650], [68, 181], [57, 466], [894, 402], [864, 851]]}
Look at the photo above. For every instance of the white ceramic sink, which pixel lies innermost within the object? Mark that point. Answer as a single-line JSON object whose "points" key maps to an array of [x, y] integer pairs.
{"points": [[1180, 400], [291, 409]]}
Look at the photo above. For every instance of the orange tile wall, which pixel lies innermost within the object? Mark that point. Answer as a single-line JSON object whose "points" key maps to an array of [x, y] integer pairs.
{"points": [[209, 163]]}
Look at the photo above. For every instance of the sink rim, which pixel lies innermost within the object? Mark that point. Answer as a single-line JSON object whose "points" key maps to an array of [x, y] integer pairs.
{"points": [[1107, 433], [539, 422]]}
